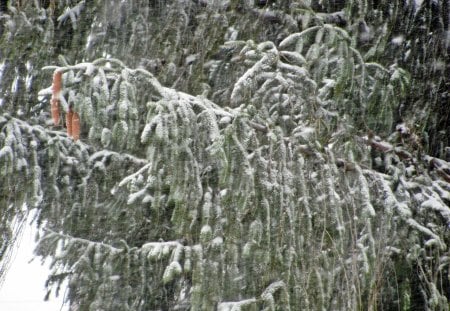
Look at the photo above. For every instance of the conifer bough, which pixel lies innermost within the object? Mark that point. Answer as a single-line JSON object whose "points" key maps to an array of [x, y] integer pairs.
{"points": [[226, 180], [176, 202]]}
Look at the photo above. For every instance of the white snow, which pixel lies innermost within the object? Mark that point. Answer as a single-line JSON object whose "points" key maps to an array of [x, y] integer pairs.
{"points": [[397, 40], [235, 305], [437, 205], [418, 3]]}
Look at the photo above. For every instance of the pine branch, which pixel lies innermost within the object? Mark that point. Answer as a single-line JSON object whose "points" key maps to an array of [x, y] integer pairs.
{"points": [[49, 234], [267, 296]]}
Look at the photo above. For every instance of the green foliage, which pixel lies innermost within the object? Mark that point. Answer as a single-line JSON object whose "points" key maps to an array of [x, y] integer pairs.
{"points": [[262, 193]]}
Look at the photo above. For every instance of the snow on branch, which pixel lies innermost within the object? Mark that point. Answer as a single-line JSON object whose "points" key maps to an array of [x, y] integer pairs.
{"points": [[266, 297], [236, 305], [72, 13], [68, 239]]}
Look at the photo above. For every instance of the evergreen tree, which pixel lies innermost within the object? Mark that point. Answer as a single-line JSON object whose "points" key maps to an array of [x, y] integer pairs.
{"points": [[230, 155]]}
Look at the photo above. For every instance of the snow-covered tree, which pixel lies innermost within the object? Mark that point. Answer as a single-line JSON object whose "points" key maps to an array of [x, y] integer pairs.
{"points": [[230, 155]]}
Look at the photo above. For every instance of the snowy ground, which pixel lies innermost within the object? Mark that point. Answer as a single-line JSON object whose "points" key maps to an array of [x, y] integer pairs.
{"points": [[23, 289]]}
